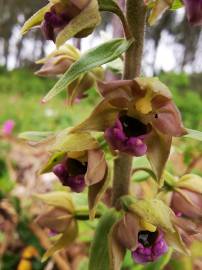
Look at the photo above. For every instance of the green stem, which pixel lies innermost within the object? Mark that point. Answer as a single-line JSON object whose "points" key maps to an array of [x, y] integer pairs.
{"points": [[135, 14]]}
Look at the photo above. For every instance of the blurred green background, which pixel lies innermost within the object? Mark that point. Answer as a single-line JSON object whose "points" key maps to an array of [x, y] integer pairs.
{"points": [[21, 93]]}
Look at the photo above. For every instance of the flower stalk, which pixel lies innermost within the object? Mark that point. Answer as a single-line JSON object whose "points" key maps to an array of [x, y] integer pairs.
{"points": [[136, 16]]}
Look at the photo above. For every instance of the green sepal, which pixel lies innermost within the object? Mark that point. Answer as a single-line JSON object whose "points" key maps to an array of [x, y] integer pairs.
{"points": [[59, 199], [153, 211], [74, 142], [36, 19], [53, 160]]}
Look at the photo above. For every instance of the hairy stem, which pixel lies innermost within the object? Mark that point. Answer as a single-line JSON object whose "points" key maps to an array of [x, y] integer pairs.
{"points": [[136, 14]]}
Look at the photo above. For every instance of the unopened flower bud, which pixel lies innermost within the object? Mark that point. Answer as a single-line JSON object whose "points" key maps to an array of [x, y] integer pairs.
{"points": [[187, 203], [54, 66]]}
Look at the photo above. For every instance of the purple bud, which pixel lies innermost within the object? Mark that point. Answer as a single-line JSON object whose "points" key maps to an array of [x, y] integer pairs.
{"points": [[194, 11], [71, 173], [127, 135], [151, 245]]}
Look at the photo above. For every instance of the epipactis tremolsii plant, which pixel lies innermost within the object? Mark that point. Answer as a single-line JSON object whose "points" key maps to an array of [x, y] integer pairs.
{"points": [[135, 116]]}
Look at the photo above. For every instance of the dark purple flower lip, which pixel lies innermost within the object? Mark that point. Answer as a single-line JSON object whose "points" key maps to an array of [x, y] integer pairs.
{"points": [[75, 167], [71, 173], [127, 135], [52, 23], [151, 245]]}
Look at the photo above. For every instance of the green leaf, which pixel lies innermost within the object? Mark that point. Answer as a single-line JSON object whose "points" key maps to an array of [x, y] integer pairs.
{"points": [[99, 252], [116, 250], [95, 57], [194, 134], [35, 136]]}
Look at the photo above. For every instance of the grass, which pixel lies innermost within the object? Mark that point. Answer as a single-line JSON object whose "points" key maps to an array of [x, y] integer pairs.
{"points": [[21, 92]]}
